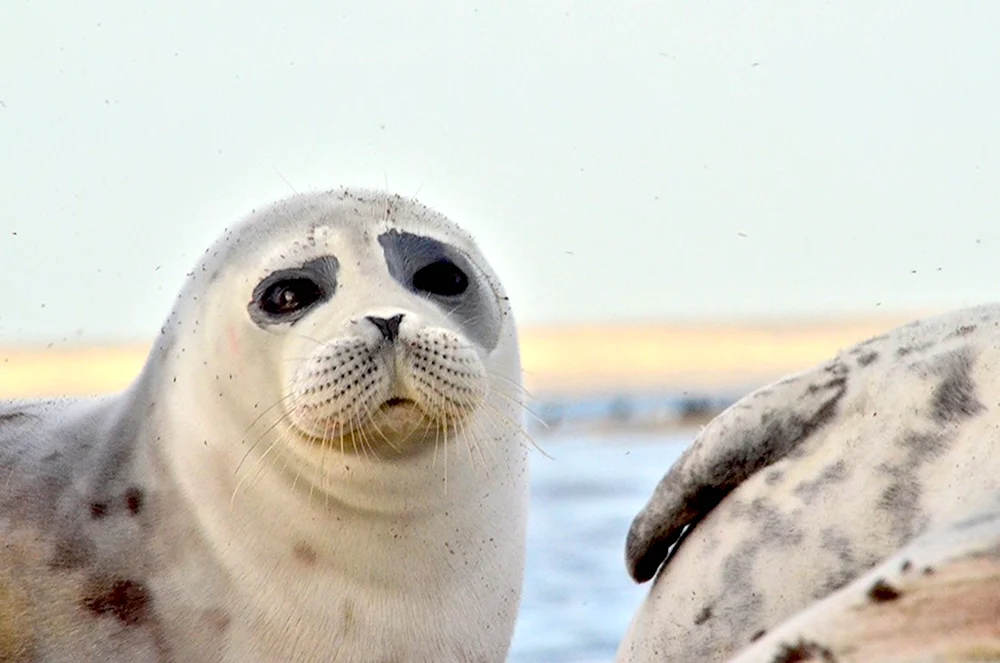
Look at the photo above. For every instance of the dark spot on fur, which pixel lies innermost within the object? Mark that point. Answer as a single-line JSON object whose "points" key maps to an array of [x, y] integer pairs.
{"points": [[773, 476], [925, 445], [128, 600], [955, 396], [737, 577], [833, 473], [216, 618], [55, 455], [832, 383], [867, 358], [304, 553], [771, 529], [836, 543], [910, 349], [133, 500], [906, 566], [928, 570], [964, 330], [772, 526], [758, 635], [901, 498], [72, 553], [803, 651], [881, 591], [703, 615], [98, 509], [9, 417]]}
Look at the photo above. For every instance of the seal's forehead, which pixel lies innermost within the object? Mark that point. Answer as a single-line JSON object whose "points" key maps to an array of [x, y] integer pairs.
{"points": [[348, 226], [317, 217]]}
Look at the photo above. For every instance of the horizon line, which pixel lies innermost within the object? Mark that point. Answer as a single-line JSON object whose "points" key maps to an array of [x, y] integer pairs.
{"points": [[577, 359]]}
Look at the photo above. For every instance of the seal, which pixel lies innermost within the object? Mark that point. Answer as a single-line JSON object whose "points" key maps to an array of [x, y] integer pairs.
{"points": [[803, 485], [936, 599], [322, 459]]}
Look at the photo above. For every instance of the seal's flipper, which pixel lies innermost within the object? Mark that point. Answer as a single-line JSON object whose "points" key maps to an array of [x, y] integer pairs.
{"points": [[756, 431]]}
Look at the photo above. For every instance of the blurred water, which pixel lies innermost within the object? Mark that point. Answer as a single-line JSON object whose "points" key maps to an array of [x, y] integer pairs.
{"points": [[578, 598]]}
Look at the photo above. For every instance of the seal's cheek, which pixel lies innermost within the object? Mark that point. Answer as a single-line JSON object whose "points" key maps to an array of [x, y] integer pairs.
{"points": [[234, 341]]}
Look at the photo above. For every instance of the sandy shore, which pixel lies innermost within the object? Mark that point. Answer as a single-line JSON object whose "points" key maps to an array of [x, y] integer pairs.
{"points": [[689, 356], [565, 360]]}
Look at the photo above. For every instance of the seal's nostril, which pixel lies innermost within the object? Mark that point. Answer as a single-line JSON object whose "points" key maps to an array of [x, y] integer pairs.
{"points": [[388, 326]]}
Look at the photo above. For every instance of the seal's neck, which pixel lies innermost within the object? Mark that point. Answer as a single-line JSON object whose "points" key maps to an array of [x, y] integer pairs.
{"points": [[262, 493], [257, 492]]}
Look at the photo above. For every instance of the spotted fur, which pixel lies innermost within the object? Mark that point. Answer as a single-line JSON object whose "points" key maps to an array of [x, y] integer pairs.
{"points": [[802, 486], [936, 599]]}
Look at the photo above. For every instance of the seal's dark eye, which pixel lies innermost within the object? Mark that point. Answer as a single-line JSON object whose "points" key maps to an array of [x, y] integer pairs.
{"points": [[441, 278], [288, 296]]}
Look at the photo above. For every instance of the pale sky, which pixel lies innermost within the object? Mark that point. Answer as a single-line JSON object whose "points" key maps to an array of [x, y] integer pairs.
{"points": [[628, 161]]}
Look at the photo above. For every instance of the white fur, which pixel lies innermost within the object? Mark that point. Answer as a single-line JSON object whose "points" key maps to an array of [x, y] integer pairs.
{"points": [[401, 538]]}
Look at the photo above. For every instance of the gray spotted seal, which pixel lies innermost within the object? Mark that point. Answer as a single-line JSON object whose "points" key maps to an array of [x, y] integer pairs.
{"points": [[321, 460], [802, 486], [938, 599]]}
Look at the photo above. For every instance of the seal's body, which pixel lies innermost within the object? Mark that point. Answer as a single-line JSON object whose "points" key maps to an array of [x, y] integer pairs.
{"points": [[936, 599], [802, 486], [322, 459]]}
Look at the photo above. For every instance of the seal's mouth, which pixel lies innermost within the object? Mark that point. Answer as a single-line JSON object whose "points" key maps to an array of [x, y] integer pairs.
{"points": [[396, 402]]}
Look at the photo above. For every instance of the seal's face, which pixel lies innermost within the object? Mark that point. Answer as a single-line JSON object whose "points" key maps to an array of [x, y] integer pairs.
{"points": [[386, 332]]}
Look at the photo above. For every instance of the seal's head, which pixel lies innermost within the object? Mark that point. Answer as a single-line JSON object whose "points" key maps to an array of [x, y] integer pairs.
{"points": [[336, 345], [371, 322]]}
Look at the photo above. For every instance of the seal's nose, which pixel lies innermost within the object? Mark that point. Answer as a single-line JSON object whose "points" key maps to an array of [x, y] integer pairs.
{"points": [[388, 326]]}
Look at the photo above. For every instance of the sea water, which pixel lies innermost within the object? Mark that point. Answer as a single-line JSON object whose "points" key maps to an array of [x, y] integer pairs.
{"points": [[578, 598]]}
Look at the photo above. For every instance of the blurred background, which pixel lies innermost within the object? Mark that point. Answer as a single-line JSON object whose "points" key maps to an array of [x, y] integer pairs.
{"points": [[685, 201]]}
